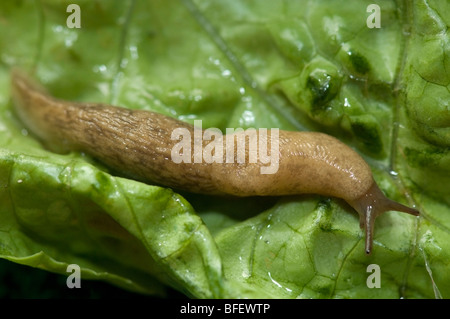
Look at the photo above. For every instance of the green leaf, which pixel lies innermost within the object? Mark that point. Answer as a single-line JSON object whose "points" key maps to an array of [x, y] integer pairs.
{"points": [[294, 65]]}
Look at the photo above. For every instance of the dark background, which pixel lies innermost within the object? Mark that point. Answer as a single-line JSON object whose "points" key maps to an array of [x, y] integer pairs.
{"points": [[24, 282]]}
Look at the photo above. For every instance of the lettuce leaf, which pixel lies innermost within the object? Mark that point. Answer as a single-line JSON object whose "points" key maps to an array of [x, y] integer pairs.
{"points": [[295, 65]]}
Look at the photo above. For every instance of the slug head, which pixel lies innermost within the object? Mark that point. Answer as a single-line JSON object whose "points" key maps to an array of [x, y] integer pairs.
{"points": [[371, 205]]}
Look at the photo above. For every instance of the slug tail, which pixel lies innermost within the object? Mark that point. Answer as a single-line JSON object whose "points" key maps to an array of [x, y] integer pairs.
{"points": [[22, 84], [25, 93], [371, 205]]}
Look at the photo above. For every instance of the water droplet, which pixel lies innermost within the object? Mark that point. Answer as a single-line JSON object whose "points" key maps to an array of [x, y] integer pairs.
{"points": [[57, 28], [226, 73], [123, 63], [274, 281], [393, 173], [346, 103], [134, 52], [100, 68]]}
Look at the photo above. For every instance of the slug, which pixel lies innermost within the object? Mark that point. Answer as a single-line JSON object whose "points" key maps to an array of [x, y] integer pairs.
{"points": [[139, 144]]}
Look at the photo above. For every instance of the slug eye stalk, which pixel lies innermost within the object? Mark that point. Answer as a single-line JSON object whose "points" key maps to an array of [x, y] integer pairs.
{"points": [[371, 205]]}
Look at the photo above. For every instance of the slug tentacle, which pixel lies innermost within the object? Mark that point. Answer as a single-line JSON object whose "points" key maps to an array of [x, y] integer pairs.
{"points": [[140, 144], [371, 205]]}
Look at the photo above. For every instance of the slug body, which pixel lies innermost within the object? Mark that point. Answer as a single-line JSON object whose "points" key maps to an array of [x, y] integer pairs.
{"points": [[139, 144]]}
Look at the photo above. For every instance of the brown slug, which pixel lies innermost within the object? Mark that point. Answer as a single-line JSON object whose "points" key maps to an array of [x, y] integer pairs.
{"points": [[140, 144]]}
